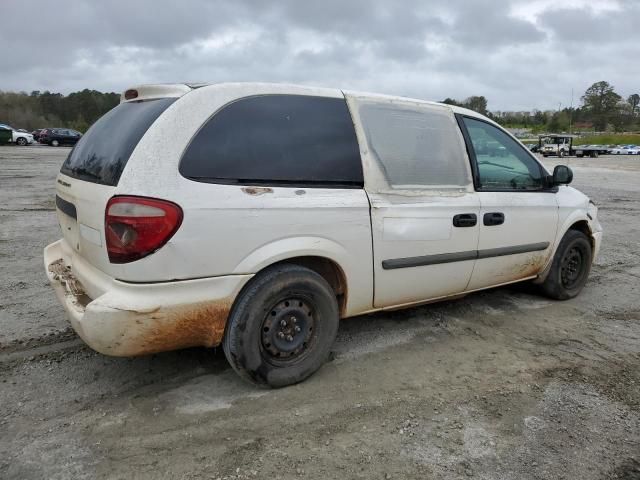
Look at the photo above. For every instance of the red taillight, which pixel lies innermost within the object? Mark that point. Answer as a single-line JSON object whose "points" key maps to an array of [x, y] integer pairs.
{"points": [[130, 94], [136, 226]]}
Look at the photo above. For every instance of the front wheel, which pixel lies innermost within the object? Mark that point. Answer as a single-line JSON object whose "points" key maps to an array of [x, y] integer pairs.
{"points": [[55, 143], [282, 327], [570, 268], [21, 141]]}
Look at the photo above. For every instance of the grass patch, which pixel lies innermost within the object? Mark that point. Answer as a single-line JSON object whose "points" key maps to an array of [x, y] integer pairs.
{"points": [[608, 139]]}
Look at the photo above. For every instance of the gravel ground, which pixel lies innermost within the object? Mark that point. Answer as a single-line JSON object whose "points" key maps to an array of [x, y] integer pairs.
{"points": [[502, 384]]}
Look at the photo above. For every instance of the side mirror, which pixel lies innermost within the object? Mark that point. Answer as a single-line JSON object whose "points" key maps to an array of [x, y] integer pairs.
{"points": [[562, 175]]}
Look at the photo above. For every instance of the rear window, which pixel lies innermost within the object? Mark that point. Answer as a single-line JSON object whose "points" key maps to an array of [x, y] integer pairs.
{"points": [[102, 153], [277, 139]]}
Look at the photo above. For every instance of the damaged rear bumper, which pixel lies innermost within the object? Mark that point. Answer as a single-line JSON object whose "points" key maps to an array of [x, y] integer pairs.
{"points": [[128, 319]]}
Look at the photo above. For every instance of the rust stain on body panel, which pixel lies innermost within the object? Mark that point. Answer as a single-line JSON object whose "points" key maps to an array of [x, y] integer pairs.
{"points": [[190, 326], [257, 190], [532, 266]]}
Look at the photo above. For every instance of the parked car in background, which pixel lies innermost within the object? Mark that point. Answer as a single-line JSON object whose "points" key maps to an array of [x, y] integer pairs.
{"points": [[634, 150], [59, 136], [533, 147], [624, 150], [5, 135], [36, 134], [256, 216], [19, 137]]}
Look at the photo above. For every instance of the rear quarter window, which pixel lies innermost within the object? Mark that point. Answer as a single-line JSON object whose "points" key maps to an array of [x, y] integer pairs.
{"points": [[416, 145], [277, 139], [102, 153]]}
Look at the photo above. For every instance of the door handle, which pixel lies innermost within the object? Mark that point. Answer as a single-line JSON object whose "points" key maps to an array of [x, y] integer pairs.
{"points": [[493, 218], [465, 220]]}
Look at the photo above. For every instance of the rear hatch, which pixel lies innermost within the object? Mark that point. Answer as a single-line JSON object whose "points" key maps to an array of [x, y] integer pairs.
{"points": [[89, 176]]}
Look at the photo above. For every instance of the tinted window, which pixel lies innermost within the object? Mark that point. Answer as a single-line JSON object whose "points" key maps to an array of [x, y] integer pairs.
{"points": [[102, 153], [502, 162], [416, 145], [286, 139]]}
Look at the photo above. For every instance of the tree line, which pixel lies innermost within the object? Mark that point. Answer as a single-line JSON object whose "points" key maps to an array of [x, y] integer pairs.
{"points": [[78, 110], [602, 109]]}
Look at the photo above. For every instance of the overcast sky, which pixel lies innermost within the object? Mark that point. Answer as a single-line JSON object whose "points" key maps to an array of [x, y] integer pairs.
{"points": [[520, 54]]}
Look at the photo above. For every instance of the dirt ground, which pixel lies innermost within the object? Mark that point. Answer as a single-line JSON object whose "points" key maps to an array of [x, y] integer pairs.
{"points": [[503, 384]]}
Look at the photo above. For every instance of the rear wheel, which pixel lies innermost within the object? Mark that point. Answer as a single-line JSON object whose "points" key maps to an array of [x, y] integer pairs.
{"points": [[282, 327], [570, 268]]}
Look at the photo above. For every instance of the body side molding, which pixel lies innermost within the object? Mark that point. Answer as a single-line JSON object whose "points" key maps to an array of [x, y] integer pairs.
{"points": [[461, 256]]}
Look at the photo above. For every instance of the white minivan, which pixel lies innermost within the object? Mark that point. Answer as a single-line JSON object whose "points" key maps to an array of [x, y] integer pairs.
{"points": [[255, 216]]}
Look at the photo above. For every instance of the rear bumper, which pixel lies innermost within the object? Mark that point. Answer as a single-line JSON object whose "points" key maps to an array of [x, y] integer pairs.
{"points": [[127, 319]]}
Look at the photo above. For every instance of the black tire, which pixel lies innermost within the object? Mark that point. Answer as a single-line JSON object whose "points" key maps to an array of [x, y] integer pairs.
{"points": [[580, 155], [561, 153], [54, 143], [21, 141], [570, 268], [261, 342]]}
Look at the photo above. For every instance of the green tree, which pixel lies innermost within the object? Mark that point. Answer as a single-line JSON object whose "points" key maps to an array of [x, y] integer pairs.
{"points": [[77, 110], [601, 100], [634, 101], [477, 104], [559, 122], [451, 101]]}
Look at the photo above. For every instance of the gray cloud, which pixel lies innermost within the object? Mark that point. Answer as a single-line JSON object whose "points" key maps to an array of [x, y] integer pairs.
{"points": [[520, 54]]}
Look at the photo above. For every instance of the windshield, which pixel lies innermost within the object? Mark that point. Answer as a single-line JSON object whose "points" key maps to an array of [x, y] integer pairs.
{"points": [[102, 153]]}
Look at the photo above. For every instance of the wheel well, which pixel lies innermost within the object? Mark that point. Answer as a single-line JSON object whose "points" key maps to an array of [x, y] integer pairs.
{"points": [[327, 269], [583, 226]]}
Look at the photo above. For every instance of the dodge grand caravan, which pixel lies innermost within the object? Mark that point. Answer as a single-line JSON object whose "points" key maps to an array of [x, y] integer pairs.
{"points": [[255, 216]]}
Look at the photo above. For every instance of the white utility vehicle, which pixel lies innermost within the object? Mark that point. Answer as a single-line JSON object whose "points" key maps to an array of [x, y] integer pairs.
{"points": [[255, 216]]}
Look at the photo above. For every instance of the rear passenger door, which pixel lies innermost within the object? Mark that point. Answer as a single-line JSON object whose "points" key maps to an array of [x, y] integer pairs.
{"points": [[518, 213], [424, 211]]}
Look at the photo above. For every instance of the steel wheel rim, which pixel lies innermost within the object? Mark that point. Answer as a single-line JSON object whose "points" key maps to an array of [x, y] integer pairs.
{"points": [[288, 330], [571, 267]]}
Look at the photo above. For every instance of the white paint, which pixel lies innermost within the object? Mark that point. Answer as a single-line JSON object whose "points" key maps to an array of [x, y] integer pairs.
{"points": [[410, 229], [90, 234], [228, 234], [529, 217]]}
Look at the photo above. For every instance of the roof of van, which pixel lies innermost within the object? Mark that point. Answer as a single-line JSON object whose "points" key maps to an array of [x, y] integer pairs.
{"points": [[163, 90]]}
